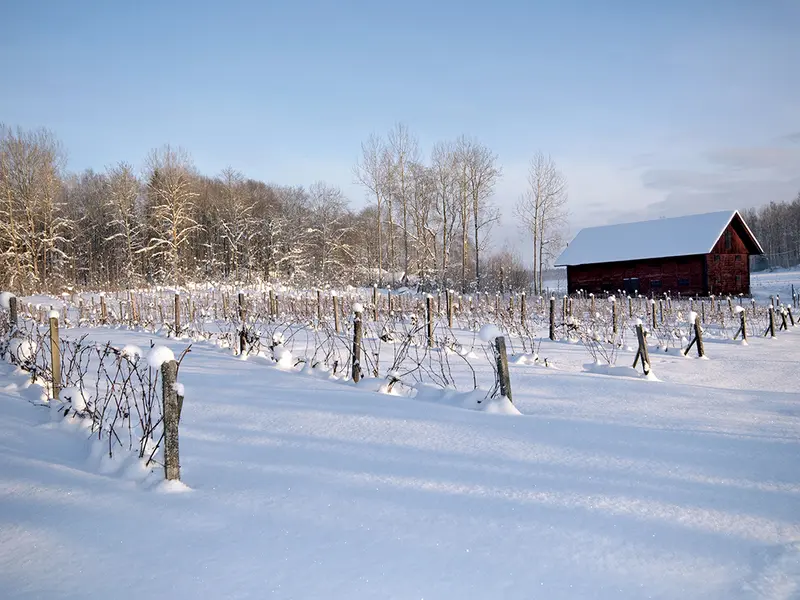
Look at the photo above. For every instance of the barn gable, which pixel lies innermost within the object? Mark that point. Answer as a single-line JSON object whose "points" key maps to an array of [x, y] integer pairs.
{"points": [[679, 236]]}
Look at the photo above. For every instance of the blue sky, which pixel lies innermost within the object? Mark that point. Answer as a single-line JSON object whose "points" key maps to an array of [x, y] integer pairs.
{"points": [[649, 108]]}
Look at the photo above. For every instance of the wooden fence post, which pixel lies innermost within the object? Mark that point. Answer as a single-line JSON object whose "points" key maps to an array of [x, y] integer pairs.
{"points": [[742, 325], [614, 325], [55, 353], [357, 334], [642, 353], [177, 311], [13, 312], [103, 310], [784, 325], [791, 316], [553, 317], [319, 307], [502, 367], [522, 309], [698, 339], [449, 296], [771, 327], [134, 309], [375, 302], [630, 307], [335, 312], [429, 319], [171, 418]]}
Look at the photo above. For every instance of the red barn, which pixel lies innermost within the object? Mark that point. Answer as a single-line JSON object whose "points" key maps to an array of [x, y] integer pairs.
{"points": [[695, 254]]}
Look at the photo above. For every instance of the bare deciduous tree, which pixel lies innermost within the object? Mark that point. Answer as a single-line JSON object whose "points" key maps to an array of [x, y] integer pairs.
{"points": [[171, 209], [542, 213]]}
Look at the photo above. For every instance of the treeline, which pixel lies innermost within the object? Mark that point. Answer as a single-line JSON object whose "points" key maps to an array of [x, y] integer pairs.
{"points": [[427, 223], [777, 227]]}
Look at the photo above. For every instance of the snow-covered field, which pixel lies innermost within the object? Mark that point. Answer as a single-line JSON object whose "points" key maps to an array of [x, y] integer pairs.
{"points": [[301, 486]]}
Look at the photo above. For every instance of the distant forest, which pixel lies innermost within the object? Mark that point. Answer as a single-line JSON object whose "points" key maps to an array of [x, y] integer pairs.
{"points": [[427, 222], [777, 227]]}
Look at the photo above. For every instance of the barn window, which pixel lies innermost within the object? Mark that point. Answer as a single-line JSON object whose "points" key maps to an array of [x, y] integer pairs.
{"points": [[683, 282], [655, 283], [716, 258], [738, 280], [728, 240], [738, 258]]}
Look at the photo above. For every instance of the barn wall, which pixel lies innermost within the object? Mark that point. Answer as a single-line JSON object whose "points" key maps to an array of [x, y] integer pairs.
{"points": [[683, 274], [728, 264]]}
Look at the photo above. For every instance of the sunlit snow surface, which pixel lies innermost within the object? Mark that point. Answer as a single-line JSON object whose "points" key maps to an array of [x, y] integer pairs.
{"points": [[297, 486]]}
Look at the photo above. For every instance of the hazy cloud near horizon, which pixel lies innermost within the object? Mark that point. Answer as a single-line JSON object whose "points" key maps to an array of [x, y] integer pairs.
{"points": [[722, 178]]}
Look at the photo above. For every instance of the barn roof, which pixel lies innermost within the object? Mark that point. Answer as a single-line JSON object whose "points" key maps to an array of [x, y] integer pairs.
{"points": [[677, 236]]}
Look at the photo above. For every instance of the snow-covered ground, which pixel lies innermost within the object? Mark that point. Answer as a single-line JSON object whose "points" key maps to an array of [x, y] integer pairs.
{"points": [[299, 486]]}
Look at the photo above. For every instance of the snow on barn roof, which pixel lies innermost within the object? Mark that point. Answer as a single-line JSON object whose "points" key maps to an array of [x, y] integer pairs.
{"points": [[677, 236]]}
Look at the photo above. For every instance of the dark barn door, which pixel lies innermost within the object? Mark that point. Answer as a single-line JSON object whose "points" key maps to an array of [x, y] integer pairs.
{"points": [[631, 285]]}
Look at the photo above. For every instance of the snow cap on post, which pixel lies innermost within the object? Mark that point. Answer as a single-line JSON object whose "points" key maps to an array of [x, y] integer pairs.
{"points": [[489, 333], [358, 307], [5, 300], [158, 355], [53, 314]]}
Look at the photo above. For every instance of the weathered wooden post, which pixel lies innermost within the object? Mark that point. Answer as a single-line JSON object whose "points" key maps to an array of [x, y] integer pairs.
{"points": [[791, 316], [630, 307], [614, 325], [319, 307], [449, 297], [591, 298], [552, 318], [698, 339], [357, 335], [703, 311], [375, 302], [177, 313], [784, 325], [742, 325], [642, 353], [429, 319], [698, 334], [13, 312], [335, 299], [103, 310], [271, 302], [661, 310], [523, 309], [771, 327], [55, 353], [134, 308], [502, 367], [171, 410], [389, 302], [242, 320], [730, 305]]}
